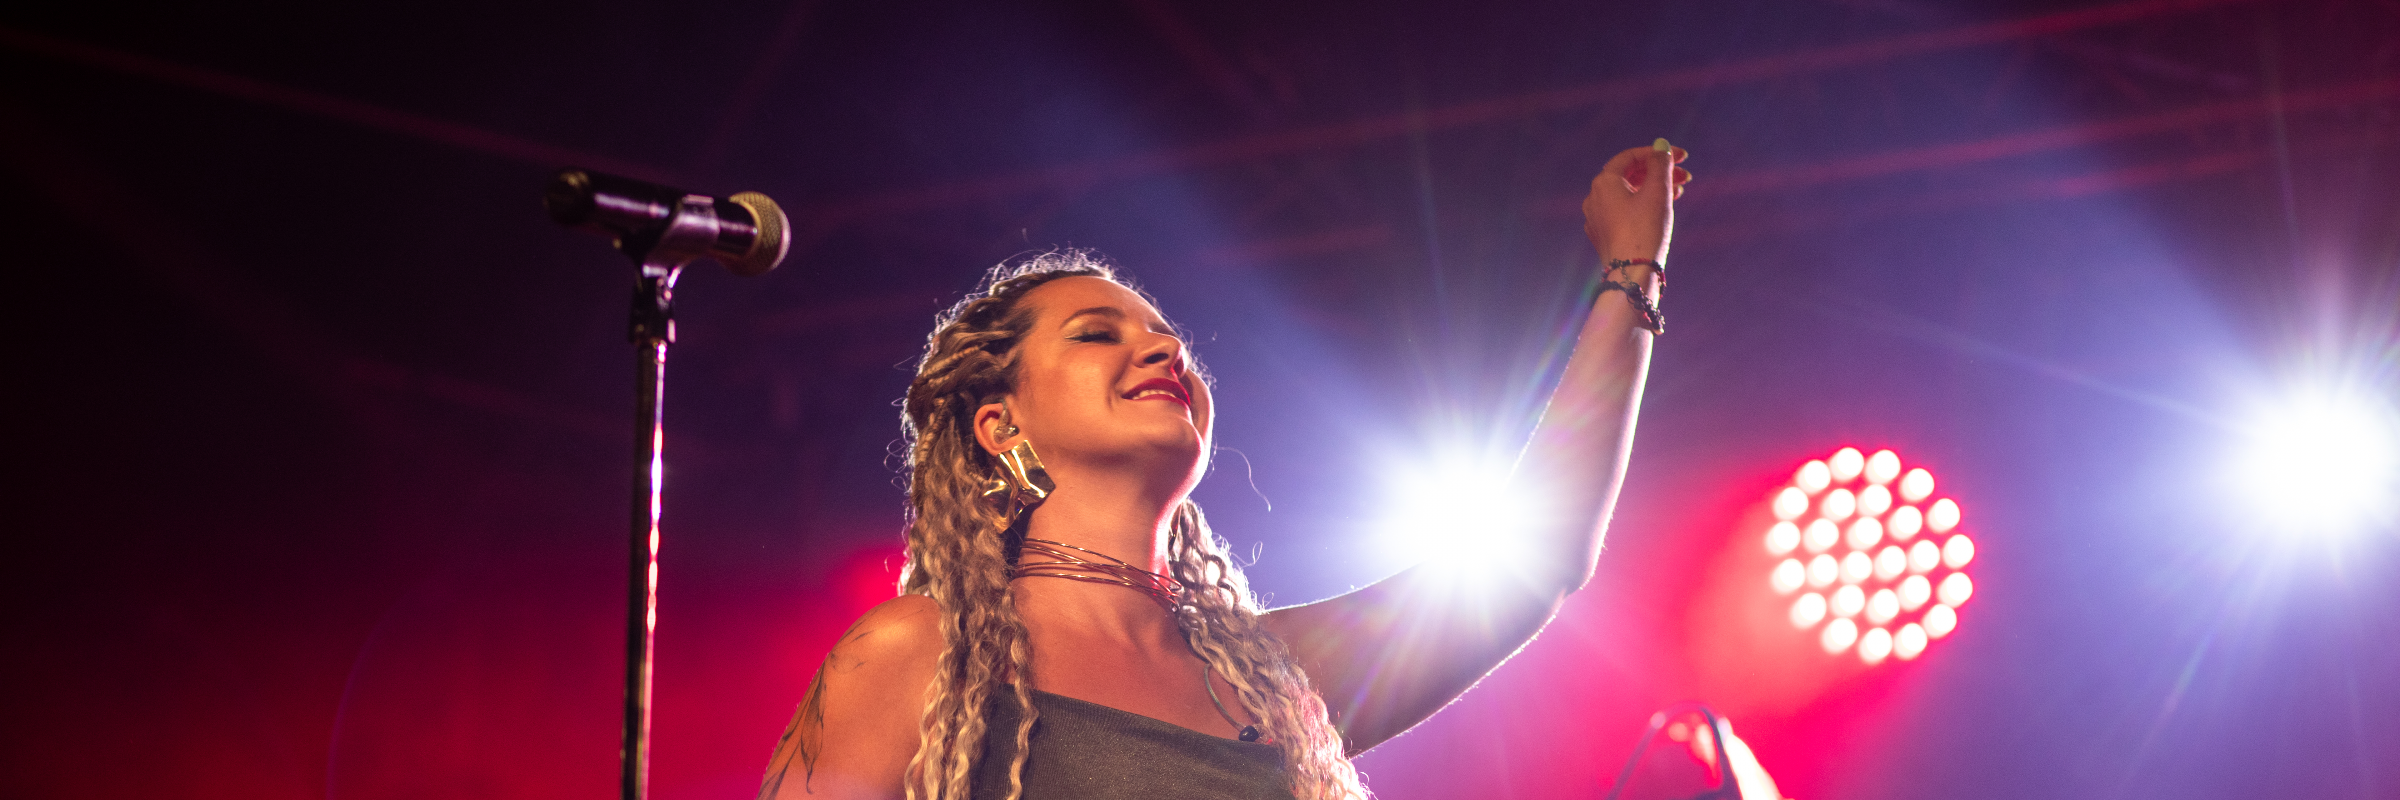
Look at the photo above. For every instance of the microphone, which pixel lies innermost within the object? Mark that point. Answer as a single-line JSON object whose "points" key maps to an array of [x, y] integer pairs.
{"points": [[663, 227]]}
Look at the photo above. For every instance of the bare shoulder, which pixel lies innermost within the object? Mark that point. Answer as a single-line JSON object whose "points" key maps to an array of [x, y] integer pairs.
{"points": [[857, 728]]}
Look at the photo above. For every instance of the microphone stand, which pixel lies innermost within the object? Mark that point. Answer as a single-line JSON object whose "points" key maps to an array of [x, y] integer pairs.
{"points": [[651, 328], [661, 229]]}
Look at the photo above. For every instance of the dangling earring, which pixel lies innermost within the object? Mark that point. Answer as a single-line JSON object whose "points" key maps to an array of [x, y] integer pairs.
{"points": [[1023, 482]]}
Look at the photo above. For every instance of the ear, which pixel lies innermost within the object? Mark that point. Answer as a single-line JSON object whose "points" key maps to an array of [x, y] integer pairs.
{"points": [[990, 420]]}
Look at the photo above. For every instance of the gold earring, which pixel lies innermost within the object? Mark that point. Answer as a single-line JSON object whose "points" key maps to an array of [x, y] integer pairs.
{"points": [[1023, 482]]}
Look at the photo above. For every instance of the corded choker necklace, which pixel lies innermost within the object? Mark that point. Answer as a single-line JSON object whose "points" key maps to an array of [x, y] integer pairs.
{"points": [[1167, 591]]}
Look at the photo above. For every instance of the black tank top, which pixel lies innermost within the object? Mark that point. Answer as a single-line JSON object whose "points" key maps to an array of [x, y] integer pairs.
{"points": [[1088, 751]]}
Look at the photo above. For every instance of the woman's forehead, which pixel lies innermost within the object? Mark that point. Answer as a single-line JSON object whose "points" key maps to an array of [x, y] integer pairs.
{"points": [[1054, 302]]}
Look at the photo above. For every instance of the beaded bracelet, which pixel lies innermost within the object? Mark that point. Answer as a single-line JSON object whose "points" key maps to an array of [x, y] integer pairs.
{"points": [[1653, 320]]}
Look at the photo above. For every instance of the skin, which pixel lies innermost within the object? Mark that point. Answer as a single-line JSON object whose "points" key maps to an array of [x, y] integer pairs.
{"points": [[1385, 657]]}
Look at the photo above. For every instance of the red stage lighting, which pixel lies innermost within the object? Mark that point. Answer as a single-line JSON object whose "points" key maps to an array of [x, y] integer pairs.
{"points": [[1880, 552]]}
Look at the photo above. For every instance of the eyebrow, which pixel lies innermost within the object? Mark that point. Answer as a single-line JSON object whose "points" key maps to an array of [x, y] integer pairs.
{"points": [[1111, 312]]}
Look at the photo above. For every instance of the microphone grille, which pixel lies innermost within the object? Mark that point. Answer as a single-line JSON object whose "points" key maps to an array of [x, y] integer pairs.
{"points": [[773, 240]]}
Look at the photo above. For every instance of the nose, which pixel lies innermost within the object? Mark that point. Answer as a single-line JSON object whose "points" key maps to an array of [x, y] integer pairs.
{"points": [[1166, 350]]}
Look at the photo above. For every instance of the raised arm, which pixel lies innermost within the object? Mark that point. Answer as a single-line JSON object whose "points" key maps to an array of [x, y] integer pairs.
{"points": [[1387, 656]]}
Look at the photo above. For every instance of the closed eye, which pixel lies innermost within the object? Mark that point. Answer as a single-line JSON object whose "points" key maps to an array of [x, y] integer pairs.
{"points": [[1094, 336]]}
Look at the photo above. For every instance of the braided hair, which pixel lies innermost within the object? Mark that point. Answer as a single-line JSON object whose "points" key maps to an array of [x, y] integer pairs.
{"points": [[962, 550]]}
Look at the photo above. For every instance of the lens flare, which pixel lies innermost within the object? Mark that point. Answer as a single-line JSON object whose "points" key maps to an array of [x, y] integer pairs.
{"points": [[2322, 462]]}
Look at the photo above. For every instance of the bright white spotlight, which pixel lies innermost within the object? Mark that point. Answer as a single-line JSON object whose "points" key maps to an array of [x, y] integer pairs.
{"points": [[1782, 537], [1909, 641], [1874, 647], [1821, 535], [1838, 505], [1847, 463], [1822, 570], [1955, 590], [1924, 556], [1838, 635], [1462, 514], [2323, 463], [1856, 567], [1905, 522], [1883, 606], [1914, 592], [1916, 485], [1958, 551], [1808, 611], [1890, 562], [1874, 500], [1943, 517], [1814, 476], [1865, 533], [1788, 576], [1883, 467], [1790, 504], [1940, 621], [1848, 601]]}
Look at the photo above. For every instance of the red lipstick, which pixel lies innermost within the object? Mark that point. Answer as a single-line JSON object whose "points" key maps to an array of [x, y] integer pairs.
{"points": [[1163, 389]]}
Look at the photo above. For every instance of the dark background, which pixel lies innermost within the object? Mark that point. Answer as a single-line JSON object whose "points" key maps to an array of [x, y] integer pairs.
{"points": [[322, 424]]}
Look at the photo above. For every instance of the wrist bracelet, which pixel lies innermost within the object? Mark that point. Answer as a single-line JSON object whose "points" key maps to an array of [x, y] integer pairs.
{"points": [[1653, 320]]}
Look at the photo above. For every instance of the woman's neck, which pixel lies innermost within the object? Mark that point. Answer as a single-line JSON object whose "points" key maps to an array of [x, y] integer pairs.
{"points": [[1133, 532]]}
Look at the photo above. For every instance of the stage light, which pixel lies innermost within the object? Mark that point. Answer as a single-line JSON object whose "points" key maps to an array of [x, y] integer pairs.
{"points": [[1883, 606], [1909, 642], [1856, 567], [1883, 467], [1791, 504], [1874, 500], [1958, 551], [1916, 485], [1955, 590], [1848, 601], [1890, 562], [1808, 611], [1788, 576], [1924, 556], [1838, 635], [1865, 534], [1905, 522], [1875, 646], [1865, 548], [2322, 462], [1943, 516], [1459, 501], [1782, 537], [1940, 621], [1914, 592], [1846, 464], [1838, 505]]}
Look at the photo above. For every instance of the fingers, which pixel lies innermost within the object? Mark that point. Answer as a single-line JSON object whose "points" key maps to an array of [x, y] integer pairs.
{"points": [[1631, 168]]}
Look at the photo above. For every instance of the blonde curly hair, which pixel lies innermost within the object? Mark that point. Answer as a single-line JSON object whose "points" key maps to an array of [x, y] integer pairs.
{"points": [[962, 550]]}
